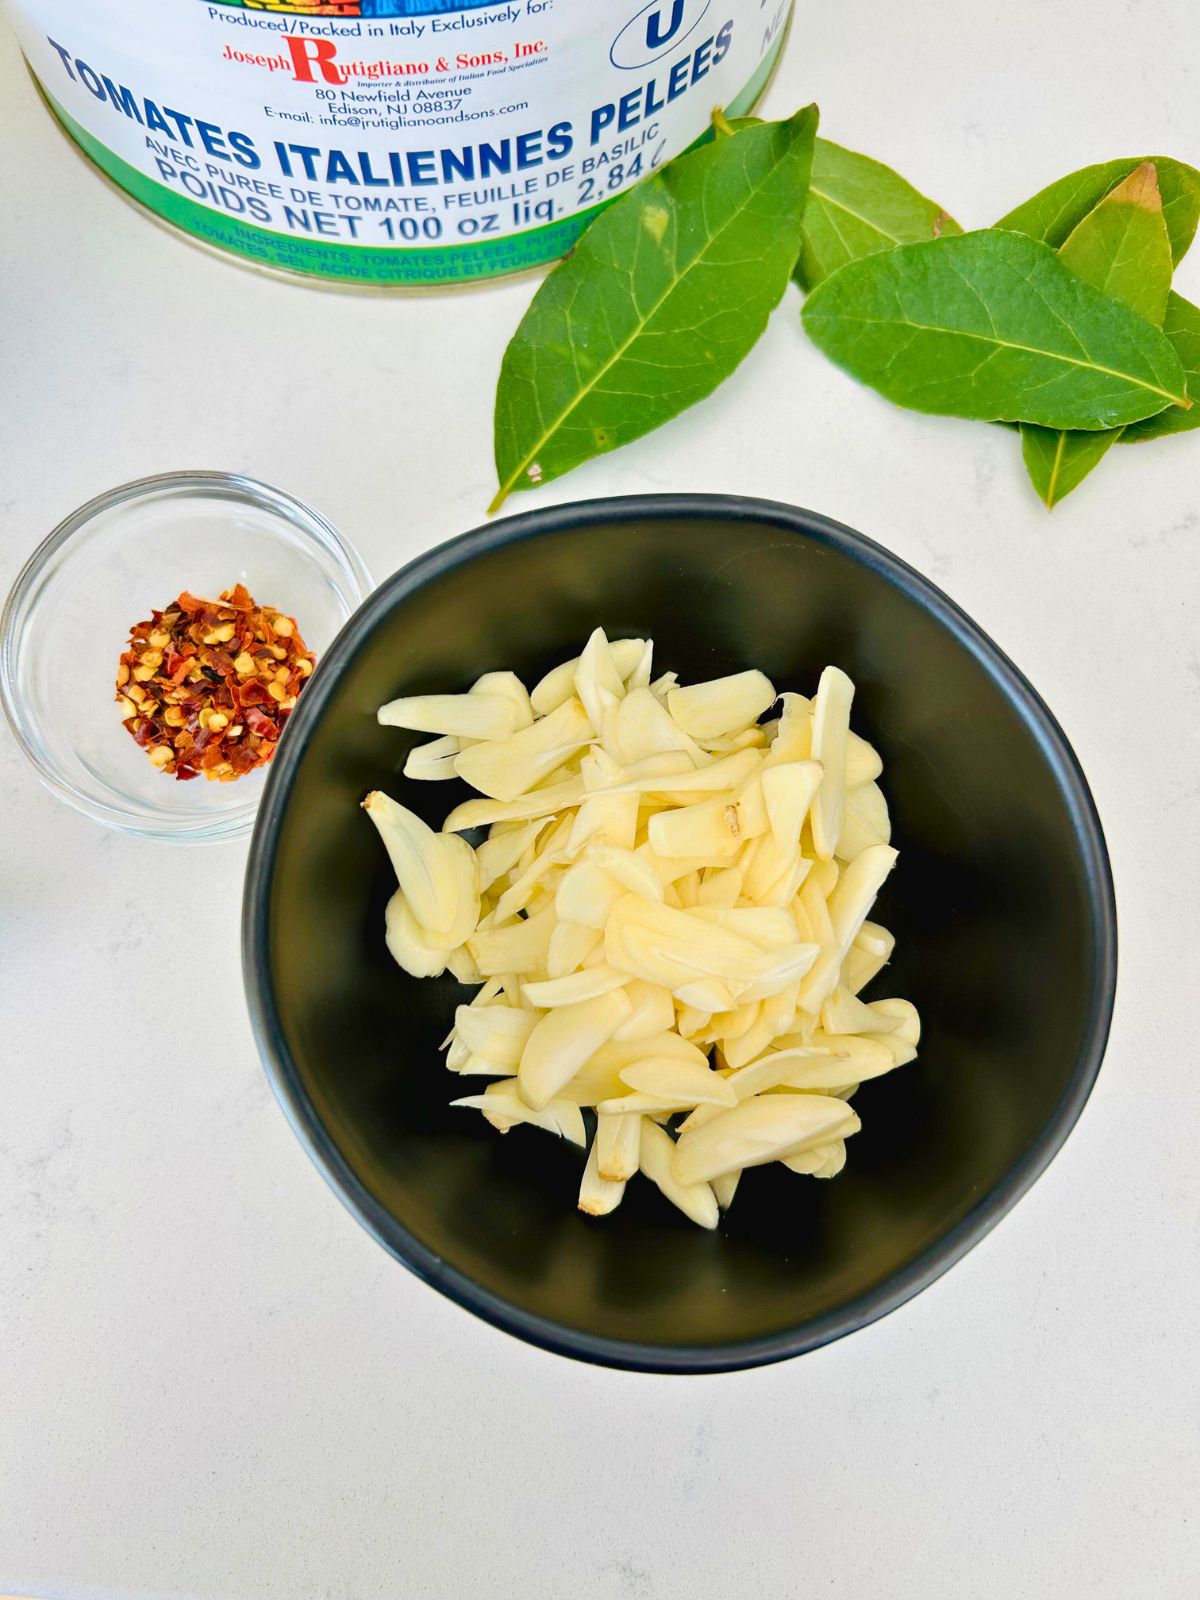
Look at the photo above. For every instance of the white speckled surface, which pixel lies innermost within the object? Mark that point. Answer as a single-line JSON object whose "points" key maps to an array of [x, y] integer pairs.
{"points": [[212, 1383]]}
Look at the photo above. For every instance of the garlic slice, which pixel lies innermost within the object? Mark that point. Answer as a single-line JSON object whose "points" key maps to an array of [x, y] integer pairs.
{"points": [[504, 1108], [652, 1011], [789, 790], [823, 1161], [678, 1083], [543, 802], [848, 906], [598, 1195], [708, 828], [516, 949], [573, 987], [618, 1144], [597, 682], [407, 942], [507, 768], [657, 1160], [508, 687], [642, 726], [866, 957], [563, 1041], [587, 895], [570, 946], [760, 1130], [865, 823], [862, 762], [432, 762], [465, 716], [673, 948], [440, 883], [498, 1033], [722, 705], [830, 733]]}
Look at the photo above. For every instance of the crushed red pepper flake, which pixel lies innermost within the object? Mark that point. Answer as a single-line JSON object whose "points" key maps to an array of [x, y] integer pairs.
{"points": [[206, 686]]}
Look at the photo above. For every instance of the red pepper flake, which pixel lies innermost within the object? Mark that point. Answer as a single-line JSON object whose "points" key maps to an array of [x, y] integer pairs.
{"points": [[206, 685]]}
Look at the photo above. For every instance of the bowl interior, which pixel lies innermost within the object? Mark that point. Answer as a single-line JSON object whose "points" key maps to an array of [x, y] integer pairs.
{"points": [[117, 559], [998, 903]]}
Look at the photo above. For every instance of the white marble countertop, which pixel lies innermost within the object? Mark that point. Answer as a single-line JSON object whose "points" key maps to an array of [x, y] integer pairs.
{"points": [[212, 1382]]}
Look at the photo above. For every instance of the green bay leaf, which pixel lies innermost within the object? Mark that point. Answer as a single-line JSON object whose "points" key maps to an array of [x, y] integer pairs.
{"points": [[1055, 211], [856, 207], [992, 325], [663, 296], [1058, 462], [1121, 248], [1181, 324]]}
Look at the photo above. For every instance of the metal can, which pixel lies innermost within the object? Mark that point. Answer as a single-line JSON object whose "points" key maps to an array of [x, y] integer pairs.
{"points": [[391, 143]]}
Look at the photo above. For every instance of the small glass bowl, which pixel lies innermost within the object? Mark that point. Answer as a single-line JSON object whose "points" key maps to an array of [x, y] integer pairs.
{"points": [[110, 564]]}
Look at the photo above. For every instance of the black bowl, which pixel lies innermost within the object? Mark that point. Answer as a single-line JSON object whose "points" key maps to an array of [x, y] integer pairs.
{"points": [[1002, 904]]}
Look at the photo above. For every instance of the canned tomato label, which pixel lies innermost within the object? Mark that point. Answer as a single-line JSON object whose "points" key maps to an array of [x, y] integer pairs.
{"points": [[391, 142]]}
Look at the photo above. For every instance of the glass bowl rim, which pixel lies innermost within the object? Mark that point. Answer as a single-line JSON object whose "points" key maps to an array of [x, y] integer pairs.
{"points": [[132, 817]]}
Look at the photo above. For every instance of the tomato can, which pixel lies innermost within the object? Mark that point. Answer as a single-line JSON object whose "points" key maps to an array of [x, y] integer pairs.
{"points": [[391, 143]]}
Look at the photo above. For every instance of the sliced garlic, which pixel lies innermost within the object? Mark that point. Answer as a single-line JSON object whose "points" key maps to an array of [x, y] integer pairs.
{"points": [[437, 872], [844, 1012], [789, 790], [587, 895], [570, 946], [498, 1033], [673, 948], [432, 762], [597, 682], [657, 1161], [504, 1108], [721, 706], [652, 1011], [466, 716], [618, 1144], [867, 956], [642, 727], [793, 737], [708, 828], [830, 734], [666, 880], [848, 906], [516, 949], [598, 1195], [679, 1083], [508, 687], [407, 942], [573, 987], [720, 888], [563, 1041], [866, 821], [759, 1130], [544, 802], [507, 768], [863, 764], [632, 871]]}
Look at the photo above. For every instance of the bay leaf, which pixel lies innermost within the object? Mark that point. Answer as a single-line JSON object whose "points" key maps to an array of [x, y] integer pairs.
{"points": [[663, 296], [1181, 324], [856, 207], [992, 325], [1121, 248], [1058, 462], [1055, 211]]}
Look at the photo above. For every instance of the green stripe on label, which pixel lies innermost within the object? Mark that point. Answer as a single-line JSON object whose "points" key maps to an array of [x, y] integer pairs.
{"points": [[409, 265]]}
